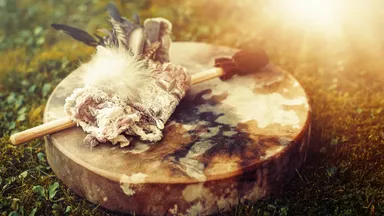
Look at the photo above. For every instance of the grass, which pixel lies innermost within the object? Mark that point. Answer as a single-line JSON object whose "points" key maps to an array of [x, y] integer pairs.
{"points": [[344, 173]]}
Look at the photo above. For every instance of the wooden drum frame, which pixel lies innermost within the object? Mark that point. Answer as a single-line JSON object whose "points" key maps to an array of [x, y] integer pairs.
{"points": [[227, 142]]}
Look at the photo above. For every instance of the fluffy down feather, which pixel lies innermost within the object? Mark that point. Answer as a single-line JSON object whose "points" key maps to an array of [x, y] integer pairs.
{"points": [[116, 71]]}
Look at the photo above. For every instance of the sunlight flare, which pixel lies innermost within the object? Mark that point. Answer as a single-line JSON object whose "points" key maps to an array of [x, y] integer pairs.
{"points": [[318, 15]]}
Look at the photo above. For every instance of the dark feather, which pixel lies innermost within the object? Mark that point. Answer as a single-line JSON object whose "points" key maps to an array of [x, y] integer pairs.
{"points": [[136, 19], [76, 34], [113, 12]]}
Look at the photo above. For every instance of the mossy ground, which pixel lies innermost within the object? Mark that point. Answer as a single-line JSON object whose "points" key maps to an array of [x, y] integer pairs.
{"points": [[344, 173]]}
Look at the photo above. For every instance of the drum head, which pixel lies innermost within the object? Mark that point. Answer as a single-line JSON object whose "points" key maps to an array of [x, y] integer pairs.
{"points": [[227, 141]]}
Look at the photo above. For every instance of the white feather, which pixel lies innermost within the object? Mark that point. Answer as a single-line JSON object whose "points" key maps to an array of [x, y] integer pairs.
{"points": [[116, 71]]}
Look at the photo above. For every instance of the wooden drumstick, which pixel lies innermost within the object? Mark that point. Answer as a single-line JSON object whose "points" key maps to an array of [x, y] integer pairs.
{"points": [[243, 62]]}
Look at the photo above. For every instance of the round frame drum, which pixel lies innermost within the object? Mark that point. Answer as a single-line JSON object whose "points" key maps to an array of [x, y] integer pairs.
{"points": [[227, 142]]}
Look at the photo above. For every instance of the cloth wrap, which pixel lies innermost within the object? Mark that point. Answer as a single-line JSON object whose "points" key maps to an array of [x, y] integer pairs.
{"points": [[108, 118]]}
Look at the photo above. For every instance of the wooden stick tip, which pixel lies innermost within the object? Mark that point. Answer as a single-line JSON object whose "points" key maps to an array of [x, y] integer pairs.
{"points": [[13, 139]]}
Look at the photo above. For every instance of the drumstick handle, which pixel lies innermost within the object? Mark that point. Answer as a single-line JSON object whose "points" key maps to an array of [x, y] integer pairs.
{"points": [[42, 130], [66, 122], [207, 75]]}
